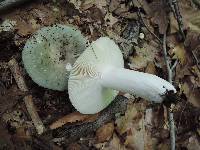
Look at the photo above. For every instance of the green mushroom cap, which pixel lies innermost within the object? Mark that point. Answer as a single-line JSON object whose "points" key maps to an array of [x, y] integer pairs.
{"points": [[50, 52]]}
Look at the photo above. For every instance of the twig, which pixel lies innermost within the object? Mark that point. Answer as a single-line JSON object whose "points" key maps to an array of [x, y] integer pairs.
{"points": [[33, 113], [15, 69], [174, 65], [139, 14], [169, 110], [176, 11]]}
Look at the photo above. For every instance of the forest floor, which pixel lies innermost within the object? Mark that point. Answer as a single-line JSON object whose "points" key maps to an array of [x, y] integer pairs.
{"points": [[138, 27]]}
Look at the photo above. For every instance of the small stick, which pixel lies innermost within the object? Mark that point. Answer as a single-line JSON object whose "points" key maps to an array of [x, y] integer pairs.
{"points": [[170, 109], [28, 100], [175, 9], [15, 69]]}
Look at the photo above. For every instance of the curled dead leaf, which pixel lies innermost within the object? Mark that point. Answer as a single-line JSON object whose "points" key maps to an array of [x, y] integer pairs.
{"points": [[72, 118]]}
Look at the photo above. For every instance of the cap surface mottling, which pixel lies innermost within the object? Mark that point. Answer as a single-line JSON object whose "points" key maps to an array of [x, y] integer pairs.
{"points": [[48, 51]]}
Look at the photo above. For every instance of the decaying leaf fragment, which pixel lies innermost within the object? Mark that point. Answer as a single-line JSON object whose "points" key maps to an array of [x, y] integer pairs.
{"points": [[73, 118], [143, 55], [159, 15], [132, 125], [179, 53]]}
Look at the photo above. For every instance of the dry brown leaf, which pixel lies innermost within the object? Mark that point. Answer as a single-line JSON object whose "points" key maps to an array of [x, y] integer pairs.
{"points": [[113, 5], [90, 3], [110, 20], [192, 40], [72, 118], [159, 16], [28, 23], [192, 94], [95, 14], [143, 55], [179, 52], [133, 126], [151, 68], [105, 132], [114, 144], [120, 9], [172, 41], [123, 11]]}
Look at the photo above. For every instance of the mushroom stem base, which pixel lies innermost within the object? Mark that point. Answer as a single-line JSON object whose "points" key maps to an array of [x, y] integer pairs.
{"points": [[144, 85]]}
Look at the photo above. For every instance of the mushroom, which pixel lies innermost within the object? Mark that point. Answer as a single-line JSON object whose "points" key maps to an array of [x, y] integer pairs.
{"points": [[50, 53], [99, 74]]}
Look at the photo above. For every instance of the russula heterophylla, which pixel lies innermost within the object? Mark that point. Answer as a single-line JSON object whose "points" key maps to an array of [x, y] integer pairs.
{"points": [[99, 73], [49, 51]]}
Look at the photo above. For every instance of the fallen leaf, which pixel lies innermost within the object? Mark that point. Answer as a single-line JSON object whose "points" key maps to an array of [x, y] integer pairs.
{"points": [[192, 94], [90, 3], [110, 20], [105, 132], [95, 14], [72, 118], [151, 68], [113, 5], [192, 40], [143, 55], [114, 144], [179, 52], [121, 9], [28, 23], [132, 125], [159, 16]]}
